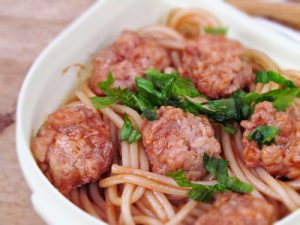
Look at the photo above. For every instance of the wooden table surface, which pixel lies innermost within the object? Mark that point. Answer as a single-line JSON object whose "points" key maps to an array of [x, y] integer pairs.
{"points": [[26, 27]]}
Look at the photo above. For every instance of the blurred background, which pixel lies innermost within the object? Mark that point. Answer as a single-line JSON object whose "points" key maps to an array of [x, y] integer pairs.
{"points": [[282, 16], [286, 12], [26, 27]]}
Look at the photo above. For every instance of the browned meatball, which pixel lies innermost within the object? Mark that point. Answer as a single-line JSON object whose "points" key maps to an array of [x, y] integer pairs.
{"points": [[283, 157], [127, 59], [235, 209], [178, 140], [215, 65], [73, 147]]}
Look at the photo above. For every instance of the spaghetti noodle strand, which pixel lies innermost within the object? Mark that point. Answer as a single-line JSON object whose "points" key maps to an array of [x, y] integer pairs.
{"points": [[86, 204], [155, 205], [133, 179], [165, 203], [130, 193], [146, 220], [125, 205], [110, 210], [74, 196], [278, 188], [95, 195], [184, 211], [145, 209]]}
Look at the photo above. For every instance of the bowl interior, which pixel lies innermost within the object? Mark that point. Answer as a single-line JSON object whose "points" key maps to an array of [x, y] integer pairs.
{"points": [[46, 87]]}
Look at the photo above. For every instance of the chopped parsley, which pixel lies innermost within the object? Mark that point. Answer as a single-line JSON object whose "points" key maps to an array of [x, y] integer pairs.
{"points": [[264, 135], [219, 169], [150, 114], [216, 30], [128, 132], [102, 102], [236, 108], [105, 85], [267, 76], [229, 129], [157, 89]]}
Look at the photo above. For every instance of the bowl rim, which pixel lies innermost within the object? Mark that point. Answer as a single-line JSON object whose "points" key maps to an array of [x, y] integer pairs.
{"points": [[25, 158]]}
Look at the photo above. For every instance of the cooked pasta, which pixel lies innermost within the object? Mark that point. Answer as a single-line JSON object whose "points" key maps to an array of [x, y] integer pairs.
{"points": [[132, 186]]}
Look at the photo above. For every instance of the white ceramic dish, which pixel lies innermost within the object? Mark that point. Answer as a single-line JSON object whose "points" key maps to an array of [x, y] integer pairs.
{"points": [[44, 88], [290, 33]]}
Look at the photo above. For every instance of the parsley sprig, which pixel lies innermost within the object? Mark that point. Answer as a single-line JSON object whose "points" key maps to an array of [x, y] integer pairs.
{"points": [[158, 89], [267, 76], [153, 91], [264, 135], [219, 169], [128, 131], [216, 30]]}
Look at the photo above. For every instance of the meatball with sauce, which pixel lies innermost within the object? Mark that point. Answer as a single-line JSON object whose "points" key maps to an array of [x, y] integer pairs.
{"points": [[236, 209], [178, 140], [73, 147], [281, 159], [215, 65], [129, 57]]}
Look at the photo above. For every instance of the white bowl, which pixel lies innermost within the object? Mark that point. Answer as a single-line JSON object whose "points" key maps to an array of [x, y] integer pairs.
{"points": [[45, 88]]}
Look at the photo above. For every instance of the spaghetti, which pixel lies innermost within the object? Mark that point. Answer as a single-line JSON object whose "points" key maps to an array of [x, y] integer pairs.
{"points": [[131, 194]]}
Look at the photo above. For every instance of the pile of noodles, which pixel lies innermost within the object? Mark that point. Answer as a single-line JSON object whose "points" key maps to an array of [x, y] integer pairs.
{"points": [[131, 194]]}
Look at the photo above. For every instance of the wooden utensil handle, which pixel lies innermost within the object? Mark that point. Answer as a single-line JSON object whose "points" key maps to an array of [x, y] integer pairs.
{"points": [[285, 11]]}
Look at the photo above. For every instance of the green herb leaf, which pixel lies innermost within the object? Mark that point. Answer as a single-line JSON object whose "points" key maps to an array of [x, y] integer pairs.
{"points": [[150, 114], [190, 106], [147, 90], [102, 102], [198, 192], [235, 185], [219, 169], [104, 86], [184, 87], [264, 135], [181, 179], [128, 132], [267, 76], [201, 194], [175, 102], [133, 100], [281, 98], [216, 30], [171, 85], [241, 105], [162, 82], [159, 89], [216, 167], [235, 108], [223, 110], [229, 129]]}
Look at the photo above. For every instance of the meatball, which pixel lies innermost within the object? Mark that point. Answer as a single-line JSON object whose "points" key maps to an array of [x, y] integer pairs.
{"points": [[178, 140], [281, 159], [73, 147], [127, 59], [215, 65], [236, 209]]}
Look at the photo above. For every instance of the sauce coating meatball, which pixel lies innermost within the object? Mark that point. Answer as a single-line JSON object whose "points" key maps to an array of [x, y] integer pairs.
{"points": [[178, 140], [215, 65], [73, 147], [235, 209], [127, 59], [283, 157]]}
